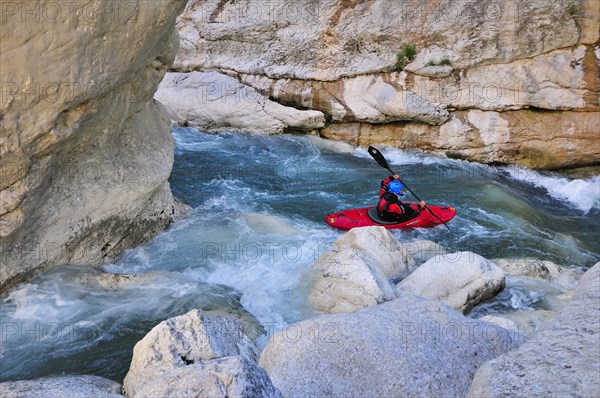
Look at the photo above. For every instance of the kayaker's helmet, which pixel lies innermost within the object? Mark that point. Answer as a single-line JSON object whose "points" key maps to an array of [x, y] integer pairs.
{"points": [[395, 186]]}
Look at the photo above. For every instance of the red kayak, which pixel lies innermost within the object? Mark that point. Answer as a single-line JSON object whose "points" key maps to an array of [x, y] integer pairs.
{"points": [[367, 217]]}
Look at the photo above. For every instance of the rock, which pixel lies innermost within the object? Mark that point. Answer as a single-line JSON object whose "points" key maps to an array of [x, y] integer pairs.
{"points": [[345, 282], [423, 250], [378, 244], [85, 152], [533, 268], [489, 102], [502, 322], [181, 341], [461, 280], [234, 376], [215, 102], [180, 209], [355, 38], [530, 322], [407, 347], [267, 224], [536, 138], [356, 272], [372, 99], [557, 80], [560, 360], [62, 387]]}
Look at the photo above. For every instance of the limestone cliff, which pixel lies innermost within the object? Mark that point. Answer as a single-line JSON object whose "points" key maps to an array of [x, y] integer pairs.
{"points": [[85, 151], [491, 80]]}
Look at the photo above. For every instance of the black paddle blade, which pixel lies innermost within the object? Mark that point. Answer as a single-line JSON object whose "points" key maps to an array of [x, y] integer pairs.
{"points": [[378, 157]]}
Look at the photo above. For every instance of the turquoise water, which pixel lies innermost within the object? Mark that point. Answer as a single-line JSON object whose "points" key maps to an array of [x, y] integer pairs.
{"points": [[257, 226]]}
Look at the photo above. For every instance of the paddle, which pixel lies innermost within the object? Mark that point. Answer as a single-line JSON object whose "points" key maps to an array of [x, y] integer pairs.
{"points": [[383, 163]]}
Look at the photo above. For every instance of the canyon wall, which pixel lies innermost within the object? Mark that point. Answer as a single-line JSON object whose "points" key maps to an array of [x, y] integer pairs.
{"points": [[493, 81], [85, 150]]}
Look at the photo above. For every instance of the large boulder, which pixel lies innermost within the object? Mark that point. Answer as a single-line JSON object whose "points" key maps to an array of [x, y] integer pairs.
{"points": [[224, 377], [181, 352], [560, 360], [461, 280], [212, 101], [345, 282], [409, 347], [62, 387], [380, 246], [85, 152], [356, 273]]}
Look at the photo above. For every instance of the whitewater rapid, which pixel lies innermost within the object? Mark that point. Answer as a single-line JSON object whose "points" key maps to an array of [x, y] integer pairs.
{"points": [[258, 225]]}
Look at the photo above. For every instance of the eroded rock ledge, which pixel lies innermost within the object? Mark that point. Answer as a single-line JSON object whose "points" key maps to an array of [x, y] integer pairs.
{"points": [[85, 151], [492, 81]]}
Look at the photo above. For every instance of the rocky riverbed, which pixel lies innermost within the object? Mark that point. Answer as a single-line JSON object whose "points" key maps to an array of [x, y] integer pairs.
{"points": [[375, 337]]}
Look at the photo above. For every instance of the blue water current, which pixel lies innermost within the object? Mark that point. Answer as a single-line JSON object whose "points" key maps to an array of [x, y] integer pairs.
{"points": [[256, 227]]}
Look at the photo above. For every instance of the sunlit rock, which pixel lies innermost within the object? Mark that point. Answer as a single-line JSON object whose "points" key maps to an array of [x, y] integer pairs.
{"points": [[406, 347], [196, 355], [461, 280], [560, 360], [356, 273]]}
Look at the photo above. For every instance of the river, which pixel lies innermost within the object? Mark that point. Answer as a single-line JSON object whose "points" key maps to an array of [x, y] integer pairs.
{"points": [[258, 225]]}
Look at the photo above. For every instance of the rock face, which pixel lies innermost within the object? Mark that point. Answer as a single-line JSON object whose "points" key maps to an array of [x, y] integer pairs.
{"points": [[561, 360], [356, 272], [461, 280], [195, 355], [85, 152], [60, 387], [215, 102], [491, 81], [408, 347]]}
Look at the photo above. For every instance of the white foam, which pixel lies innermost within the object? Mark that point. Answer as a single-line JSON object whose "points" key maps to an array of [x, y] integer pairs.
{"points": [[396, 156], [583, 194], [329, 145]]}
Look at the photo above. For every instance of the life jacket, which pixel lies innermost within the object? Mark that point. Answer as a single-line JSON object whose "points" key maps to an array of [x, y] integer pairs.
{"points": [[390, 208], [388, 205]]}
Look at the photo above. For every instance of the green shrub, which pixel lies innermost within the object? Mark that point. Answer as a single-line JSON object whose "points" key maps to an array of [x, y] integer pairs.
{"points": [[572, 9], [405, 56], [444, 61]]}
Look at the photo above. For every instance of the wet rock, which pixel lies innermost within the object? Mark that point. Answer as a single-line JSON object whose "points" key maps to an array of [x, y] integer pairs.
{"points": [[62, 387], [461, 280], [265, 224], [407, 347], [533, 268], [560, 360]]}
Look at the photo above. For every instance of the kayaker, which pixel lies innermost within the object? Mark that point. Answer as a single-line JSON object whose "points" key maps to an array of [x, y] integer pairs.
{"points": [[390, 207]]}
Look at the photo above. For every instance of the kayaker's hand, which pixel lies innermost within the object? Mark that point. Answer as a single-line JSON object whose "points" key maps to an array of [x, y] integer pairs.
{"points": [[422, 204], [396, 176]]}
